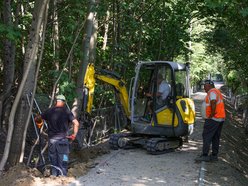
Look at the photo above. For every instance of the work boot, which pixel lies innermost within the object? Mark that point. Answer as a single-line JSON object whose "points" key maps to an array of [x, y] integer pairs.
{"points": [[214, 158], [202, 158]]}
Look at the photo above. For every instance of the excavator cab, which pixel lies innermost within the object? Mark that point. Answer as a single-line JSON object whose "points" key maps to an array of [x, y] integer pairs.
{"points": [[171, 114]]}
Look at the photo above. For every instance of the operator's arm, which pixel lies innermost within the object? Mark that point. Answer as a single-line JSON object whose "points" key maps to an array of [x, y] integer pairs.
{"points": [[159, 94], [150, 94], [163, 87]]}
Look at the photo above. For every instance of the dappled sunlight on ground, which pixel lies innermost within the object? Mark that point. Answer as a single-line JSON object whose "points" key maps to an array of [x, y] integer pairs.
{"points": [[192, 146]]}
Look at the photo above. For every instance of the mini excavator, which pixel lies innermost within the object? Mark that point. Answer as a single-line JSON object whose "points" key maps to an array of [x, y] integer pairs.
{"points": [[170, 121]]}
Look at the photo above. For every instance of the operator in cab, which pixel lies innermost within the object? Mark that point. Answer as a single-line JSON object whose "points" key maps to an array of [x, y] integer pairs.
{"points": [[163, 90]]}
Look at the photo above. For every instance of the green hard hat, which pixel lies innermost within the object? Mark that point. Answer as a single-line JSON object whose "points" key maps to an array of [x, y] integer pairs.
{"points": [[61, 97]]}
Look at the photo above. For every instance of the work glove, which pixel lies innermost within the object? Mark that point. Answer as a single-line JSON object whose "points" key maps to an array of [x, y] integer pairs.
{"points": [[39, 121], [71, 137]]}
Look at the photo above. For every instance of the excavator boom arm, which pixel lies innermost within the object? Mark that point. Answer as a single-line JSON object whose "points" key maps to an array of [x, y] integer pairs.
{"points": [[89, 85]]}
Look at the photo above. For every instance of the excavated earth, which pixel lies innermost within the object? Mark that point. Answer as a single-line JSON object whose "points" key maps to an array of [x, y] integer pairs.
{"points": [[231, 169], [21, 175]]}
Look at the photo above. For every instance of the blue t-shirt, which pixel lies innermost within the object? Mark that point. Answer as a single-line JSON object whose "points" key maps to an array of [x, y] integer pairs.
{"points": [[58, 120]]}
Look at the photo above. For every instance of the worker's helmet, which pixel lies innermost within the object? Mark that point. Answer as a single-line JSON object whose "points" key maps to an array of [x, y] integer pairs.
{"points": [[208, 82], [61, 98]]}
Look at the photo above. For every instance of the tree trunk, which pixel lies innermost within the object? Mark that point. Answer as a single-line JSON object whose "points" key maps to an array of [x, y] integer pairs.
{"points": [[113, 35], [139, 48], [93, 41], [118, 26], [35, 83], [161, 35], [188, 57], [55, 35], [106, 28], [20, 110], [77, 105], [24, 28], [8, 60]]}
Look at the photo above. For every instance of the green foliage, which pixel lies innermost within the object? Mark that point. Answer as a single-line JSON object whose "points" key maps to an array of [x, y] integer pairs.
{"points": [[142, 30], [244, 12], [67, 87], [104, 96], [229, 38], [9, 32]]}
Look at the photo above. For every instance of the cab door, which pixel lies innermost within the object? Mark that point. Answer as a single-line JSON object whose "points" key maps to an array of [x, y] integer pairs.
{"points": [[163, 95]]}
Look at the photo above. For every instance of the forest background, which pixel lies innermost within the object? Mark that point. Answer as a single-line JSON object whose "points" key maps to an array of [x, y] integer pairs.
{"points": [[46, 46]]}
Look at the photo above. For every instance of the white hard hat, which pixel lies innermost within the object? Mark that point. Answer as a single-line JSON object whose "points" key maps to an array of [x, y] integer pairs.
{"points": [[61, 97]]}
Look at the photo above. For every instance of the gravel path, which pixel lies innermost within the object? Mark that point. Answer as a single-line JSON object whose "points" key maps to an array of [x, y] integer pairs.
{"points": [[135, 167]]}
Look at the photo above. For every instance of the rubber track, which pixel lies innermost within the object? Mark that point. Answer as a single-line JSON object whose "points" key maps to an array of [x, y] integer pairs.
{"points": [[113, 140], [151, 146]]}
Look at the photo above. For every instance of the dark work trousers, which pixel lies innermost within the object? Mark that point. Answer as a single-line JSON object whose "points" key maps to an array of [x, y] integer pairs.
{"points": [[58, 152], [211, 135]]}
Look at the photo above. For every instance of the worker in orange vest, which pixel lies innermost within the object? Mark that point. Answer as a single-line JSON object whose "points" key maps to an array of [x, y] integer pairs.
{"points": [[213, 111]]}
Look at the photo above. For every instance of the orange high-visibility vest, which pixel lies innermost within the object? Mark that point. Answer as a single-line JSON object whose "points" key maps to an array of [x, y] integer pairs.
{"points": [[220, 108]]}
